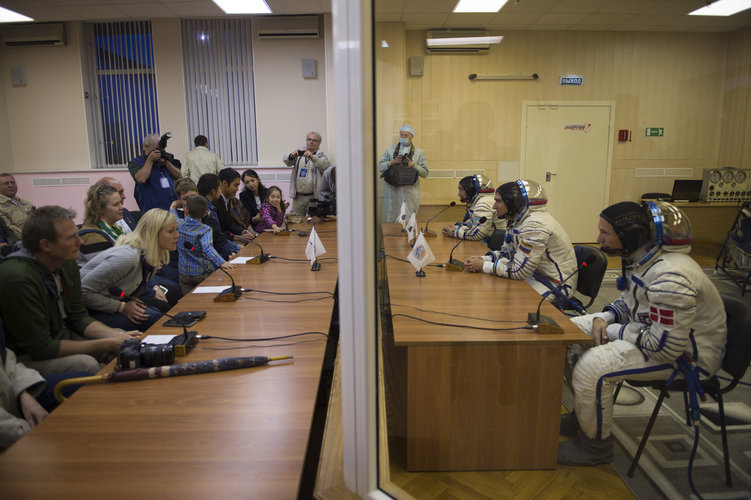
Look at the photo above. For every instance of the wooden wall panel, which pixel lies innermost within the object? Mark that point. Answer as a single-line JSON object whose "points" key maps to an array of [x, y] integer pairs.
{"points": [[735, 147], [678, 81]]}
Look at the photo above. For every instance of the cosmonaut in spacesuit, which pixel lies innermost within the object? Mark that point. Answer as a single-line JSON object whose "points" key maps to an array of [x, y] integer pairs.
{"points": [[668, 309], [535, 242]]}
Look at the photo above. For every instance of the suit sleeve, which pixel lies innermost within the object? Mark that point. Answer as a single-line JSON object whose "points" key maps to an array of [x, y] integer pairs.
{"points": [[533, 242], [388, 155]]}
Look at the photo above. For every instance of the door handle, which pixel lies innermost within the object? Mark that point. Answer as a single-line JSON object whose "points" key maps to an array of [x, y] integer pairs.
{"points": [[548, 175]]}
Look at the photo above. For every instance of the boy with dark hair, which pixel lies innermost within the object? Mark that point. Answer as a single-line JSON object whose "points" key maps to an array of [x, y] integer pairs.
{"points": [[208, 187], [198, 258]]}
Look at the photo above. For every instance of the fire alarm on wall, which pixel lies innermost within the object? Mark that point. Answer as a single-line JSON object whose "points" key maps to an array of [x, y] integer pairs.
{"points": [[624, 135]]}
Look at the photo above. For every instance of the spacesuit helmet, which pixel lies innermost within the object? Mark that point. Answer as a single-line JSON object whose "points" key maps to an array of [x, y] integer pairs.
{"points": [[671, 227], [473, 185], [519, 196], [631, 224], [653, 224]]}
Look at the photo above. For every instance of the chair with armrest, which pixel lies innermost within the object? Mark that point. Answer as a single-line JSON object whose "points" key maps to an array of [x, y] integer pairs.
{"points": [[736, 361], [495, 242], [590, 277]]}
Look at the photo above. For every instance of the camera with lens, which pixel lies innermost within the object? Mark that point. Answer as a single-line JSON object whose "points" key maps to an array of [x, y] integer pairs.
{"points": [[163, 146], [133, 354], [322, 207], [300, 152]]}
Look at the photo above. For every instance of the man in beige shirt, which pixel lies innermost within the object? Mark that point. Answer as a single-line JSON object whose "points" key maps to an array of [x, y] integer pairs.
{"points": [[13, 210], [201, 161]]}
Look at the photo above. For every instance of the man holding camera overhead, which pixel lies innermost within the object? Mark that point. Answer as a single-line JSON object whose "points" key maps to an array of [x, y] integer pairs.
{"points": [[308, 166], [155, 172]]}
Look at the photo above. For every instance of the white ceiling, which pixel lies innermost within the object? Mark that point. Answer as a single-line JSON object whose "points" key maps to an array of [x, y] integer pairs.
{"points": [[580, 15]]}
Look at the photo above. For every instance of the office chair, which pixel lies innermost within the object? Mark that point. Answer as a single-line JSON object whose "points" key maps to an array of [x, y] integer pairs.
{"points": [[736, 361], [495, 242], [590, 277]]}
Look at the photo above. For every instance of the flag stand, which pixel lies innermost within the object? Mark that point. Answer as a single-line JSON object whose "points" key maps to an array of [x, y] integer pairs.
{"points": [[420, 273], [316, 266]]}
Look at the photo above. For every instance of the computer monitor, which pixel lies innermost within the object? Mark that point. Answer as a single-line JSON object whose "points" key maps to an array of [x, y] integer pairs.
{"points": [[686, 189]]}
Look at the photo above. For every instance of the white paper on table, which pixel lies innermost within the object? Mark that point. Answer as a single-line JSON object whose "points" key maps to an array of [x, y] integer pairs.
{"points": [[240, 260], [158, 339], [209, 289]]}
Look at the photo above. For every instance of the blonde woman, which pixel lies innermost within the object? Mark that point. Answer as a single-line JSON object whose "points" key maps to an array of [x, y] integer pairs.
{"points": [[103, 208], [129, 266]]}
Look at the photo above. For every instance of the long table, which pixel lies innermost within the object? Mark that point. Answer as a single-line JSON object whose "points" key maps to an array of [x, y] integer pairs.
{"points": [[476, 399], [232, 434]]}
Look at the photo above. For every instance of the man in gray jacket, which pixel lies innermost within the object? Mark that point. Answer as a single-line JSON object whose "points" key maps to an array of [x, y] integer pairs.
{"points": [[308, 166]]}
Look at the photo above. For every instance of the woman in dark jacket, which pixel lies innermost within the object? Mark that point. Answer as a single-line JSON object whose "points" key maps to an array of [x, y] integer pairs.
{"points": [[253, 195]]}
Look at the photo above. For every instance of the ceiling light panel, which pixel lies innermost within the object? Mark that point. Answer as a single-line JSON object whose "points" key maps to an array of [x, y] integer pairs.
{"points": [[479, 6]]}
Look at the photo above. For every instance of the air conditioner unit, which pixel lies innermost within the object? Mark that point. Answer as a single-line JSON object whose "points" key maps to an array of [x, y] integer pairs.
{"points": [[15, 35], [450, 42], [288, 27]]}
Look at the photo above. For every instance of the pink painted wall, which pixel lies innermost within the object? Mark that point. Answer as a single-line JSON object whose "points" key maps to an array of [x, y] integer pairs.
{"points": [[73, 196]]}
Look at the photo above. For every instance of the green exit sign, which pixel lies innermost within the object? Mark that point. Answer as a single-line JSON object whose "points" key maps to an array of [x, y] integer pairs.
{"points": [[655, 132]]}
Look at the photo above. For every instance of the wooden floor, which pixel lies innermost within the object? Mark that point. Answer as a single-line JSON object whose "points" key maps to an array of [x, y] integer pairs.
{"points": [[564, 482]]}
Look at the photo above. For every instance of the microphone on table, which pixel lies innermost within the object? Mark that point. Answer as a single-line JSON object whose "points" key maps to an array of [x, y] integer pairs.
{"points": [[258, 259], [182, 344], [230, 294], [546, 324], [458, 265], [431, 234]]}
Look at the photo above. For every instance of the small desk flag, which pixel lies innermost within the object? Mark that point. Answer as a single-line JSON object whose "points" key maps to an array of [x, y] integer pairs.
{"points": [[412, 228], [315, 247], [402, 217], [421, 255]]}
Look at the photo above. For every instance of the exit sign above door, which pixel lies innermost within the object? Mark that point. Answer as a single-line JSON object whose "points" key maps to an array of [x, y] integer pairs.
{"points": [[655, 132]]}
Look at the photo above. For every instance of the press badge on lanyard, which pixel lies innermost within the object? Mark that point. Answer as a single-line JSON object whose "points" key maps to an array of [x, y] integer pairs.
{"points": [[164, 182], [304, 170]]}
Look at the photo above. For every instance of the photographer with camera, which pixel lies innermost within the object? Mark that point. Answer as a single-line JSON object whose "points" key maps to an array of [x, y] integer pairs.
{"points": [[155, 172], [325, 205], [401, 166], [308, 166]]}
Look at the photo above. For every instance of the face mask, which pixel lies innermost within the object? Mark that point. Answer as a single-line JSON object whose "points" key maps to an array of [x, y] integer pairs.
{"points": [[404, 141]]}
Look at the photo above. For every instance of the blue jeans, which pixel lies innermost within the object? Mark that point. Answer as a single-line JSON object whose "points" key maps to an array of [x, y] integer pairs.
{"points": [[47, 397], [118, 320]]}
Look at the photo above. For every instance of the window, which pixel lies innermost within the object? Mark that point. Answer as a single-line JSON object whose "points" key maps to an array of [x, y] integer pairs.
{"points": [[219, 92], [124, 107]]}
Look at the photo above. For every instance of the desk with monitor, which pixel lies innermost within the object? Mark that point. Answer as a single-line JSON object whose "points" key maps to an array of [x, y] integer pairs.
{"points": [[233, 434], [476, 399]]}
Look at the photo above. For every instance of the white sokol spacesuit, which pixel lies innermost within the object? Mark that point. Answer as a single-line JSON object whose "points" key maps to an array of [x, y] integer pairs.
{"points": [[479, 204], [535, 241], [668, 308]]}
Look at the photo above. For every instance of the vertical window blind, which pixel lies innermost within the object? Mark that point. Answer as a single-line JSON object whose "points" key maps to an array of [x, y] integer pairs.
{"points": [[218, 67], [126, 89]]}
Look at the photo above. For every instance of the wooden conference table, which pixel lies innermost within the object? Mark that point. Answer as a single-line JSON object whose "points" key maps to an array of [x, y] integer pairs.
{"points": [[232, 434], [476, 399]]}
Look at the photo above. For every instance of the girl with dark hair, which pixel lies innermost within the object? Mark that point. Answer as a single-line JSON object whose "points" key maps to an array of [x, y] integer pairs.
{"points": [[272, 212]]}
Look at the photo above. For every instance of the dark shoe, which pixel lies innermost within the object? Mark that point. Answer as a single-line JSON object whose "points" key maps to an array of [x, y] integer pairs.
{"points": [[585, 451], [569, 424]]}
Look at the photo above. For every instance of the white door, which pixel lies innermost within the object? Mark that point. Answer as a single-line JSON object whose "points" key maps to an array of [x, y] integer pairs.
{"points": [[567, 148]]}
